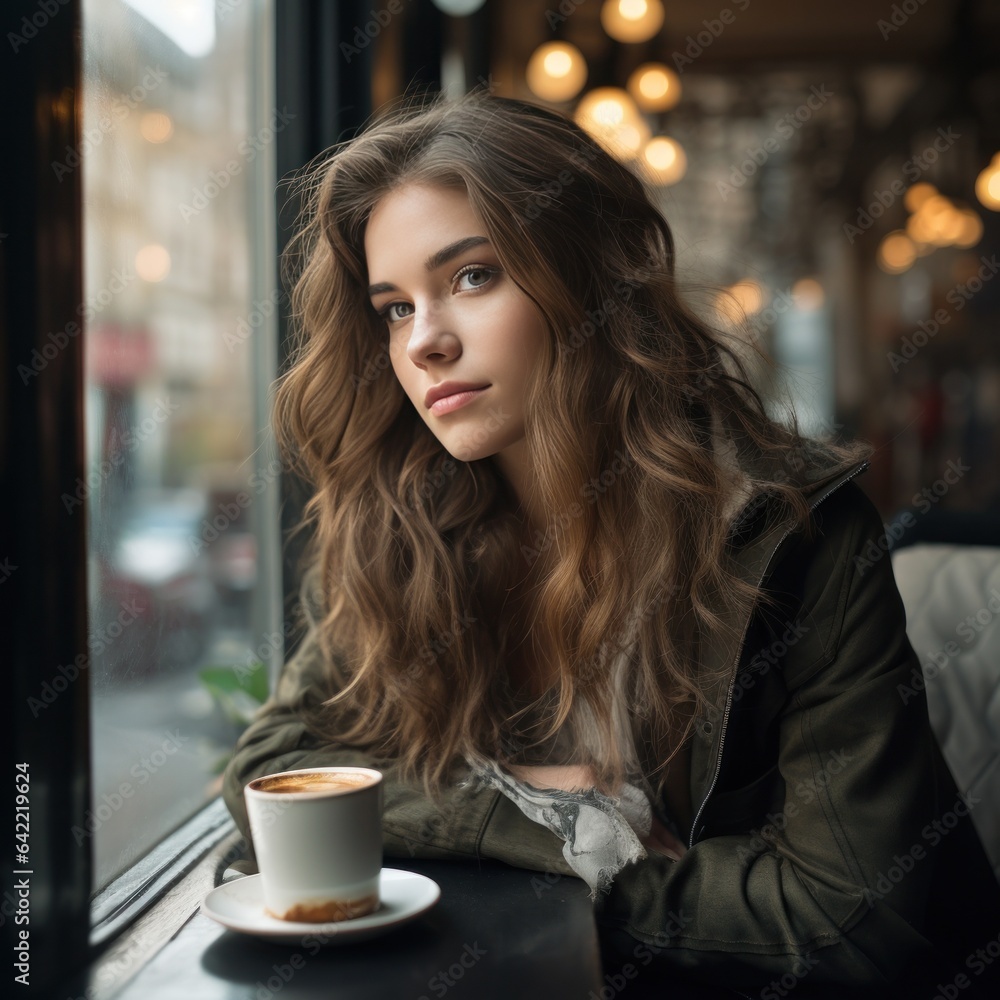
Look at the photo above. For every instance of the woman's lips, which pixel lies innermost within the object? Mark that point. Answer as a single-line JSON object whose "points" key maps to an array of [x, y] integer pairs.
{"points": [[448, 403]]}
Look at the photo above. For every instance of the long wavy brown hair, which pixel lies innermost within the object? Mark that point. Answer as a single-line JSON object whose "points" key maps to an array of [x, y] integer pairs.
{"points": [[644, 432]]}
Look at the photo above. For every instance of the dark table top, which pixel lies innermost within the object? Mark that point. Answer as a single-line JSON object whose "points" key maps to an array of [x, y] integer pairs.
{"points": [[517, 940], [496, 931]]}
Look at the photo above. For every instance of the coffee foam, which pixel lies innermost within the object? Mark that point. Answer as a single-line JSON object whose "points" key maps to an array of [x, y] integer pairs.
{"points": [[314, 781]]}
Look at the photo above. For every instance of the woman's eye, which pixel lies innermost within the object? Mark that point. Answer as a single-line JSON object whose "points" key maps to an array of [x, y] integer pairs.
{"points": [[478, 275], [387, 313]]}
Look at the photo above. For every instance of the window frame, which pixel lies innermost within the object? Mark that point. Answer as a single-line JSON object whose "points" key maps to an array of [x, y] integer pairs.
{"points": [[43, 452]]}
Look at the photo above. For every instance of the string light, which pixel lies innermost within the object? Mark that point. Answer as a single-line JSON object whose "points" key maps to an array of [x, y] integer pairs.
{"points": [[556, 71], [632, 20], [654, 87]]}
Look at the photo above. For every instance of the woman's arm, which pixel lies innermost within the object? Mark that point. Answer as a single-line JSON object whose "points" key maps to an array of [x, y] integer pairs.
{"points": [[741, 907], [471, 822]]}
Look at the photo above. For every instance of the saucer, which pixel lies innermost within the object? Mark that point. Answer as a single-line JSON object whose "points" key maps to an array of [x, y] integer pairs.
{"points": [[239, 905]]}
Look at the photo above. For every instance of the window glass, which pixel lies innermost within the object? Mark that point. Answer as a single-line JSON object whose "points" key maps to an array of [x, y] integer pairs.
{"points": [[176, 153]]}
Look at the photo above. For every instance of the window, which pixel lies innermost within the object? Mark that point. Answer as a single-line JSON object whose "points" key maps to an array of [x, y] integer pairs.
{"points": [[182, 480]]}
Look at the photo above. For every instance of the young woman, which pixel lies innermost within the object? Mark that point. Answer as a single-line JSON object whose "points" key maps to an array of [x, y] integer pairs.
{"points": [[587, 606]]}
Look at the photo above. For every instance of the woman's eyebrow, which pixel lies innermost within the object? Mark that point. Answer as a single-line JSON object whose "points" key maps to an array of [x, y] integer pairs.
{"points": [[435, 260]]}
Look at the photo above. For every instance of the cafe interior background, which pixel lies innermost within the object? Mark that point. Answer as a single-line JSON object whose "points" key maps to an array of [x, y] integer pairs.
{"points": [[833, 169]]}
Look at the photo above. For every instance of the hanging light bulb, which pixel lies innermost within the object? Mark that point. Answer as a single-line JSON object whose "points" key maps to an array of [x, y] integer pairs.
{"points": [[611, 117], [740, 301], [917, 194], [632, 20], [654, 87], [972, 229], [664, 160], [988, 184], [556, 71], [896, 253], [628, 139]]}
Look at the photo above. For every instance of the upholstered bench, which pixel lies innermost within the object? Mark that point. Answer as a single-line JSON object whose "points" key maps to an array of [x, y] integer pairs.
{"points": [[952, 598]]}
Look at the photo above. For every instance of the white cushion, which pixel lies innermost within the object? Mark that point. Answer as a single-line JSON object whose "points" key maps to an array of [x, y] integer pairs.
{"points": [[952, 598]]}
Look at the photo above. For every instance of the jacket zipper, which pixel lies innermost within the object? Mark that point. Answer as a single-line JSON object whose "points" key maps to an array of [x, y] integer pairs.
{"points": [[746, 624]]}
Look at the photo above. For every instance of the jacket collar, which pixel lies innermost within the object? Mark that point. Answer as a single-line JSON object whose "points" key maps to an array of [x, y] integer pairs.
{"points": [[756, 536]]}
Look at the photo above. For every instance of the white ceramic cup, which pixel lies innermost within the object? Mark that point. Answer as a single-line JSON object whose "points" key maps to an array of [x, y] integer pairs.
{"points": [[318, 841]]}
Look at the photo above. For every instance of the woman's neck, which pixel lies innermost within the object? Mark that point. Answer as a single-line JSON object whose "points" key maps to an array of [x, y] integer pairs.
{"points": [[513, 466]]}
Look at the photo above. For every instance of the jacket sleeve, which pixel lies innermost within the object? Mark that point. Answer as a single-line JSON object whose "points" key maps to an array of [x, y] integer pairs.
{"points": [[833, 888], [472, 821]]}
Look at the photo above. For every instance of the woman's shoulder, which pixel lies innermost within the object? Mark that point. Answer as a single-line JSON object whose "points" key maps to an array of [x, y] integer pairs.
{"points": [[837, 507], [843, 560]]}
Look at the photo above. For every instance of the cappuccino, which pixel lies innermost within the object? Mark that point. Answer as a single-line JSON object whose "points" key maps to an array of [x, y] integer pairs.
{"points": [[314, 781], [317, 834]]}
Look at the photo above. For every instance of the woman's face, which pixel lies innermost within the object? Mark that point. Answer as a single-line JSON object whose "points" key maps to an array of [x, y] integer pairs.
{"points": [[453, 315]]}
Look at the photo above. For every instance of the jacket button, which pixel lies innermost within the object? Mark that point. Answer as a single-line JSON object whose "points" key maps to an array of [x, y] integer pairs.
{"points": [[707, 728]]}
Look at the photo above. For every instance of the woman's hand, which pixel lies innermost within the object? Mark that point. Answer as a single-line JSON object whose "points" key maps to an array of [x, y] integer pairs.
{"points": [[661, 840], [579, 777]]}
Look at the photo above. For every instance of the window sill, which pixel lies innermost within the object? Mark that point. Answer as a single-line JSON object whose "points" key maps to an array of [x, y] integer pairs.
{"points": [[145, 907]]}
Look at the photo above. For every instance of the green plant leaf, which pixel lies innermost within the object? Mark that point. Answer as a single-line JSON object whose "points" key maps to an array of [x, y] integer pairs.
{"points": [[237, 690]]}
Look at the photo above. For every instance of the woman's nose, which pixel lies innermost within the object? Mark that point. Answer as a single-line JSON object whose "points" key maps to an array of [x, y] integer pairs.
{"points": [[431, 332]]}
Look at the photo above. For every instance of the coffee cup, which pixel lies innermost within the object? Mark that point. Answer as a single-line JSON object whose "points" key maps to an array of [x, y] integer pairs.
{"points": [[317, 834]]}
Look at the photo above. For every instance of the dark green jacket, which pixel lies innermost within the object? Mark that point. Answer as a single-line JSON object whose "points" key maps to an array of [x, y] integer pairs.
{"points": [[816, 786]]}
